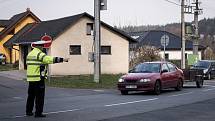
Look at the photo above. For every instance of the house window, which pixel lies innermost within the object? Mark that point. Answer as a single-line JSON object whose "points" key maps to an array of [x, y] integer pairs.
{"points": [[166, 56], [106, 50], [75, 50], [89, 28]]}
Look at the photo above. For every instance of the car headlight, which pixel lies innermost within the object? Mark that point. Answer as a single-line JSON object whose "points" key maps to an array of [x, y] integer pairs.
{"points": [[145, 80], [121, 80], [205, 71]]}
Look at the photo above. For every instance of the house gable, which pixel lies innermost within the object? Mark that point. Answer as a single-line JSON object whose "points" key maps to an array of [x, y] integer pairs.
{"points": [[75, 35], [10, 28], [17, 22]]}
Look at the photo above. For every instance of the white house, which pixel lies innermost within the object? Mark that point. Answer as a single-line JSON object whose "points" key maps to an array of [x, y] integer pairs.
{"points": [[72, 39], [172, 50]]}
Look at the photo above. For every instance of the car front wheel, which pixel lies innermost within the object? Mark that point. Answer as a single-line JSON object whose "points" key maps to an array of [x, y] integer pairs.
{"points": [[179, 85], [209, 76], [199, 82], [157, 88], [123, 92]]}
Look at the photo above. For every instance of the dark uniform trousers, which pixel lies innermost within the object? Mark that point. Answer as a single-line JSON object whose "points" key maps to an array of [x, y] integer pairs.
{"points": [[36, 93]]}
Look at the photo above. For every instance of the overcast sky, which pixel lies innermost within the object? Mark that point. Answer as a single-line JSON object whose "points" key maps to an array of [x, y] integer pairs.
{"points": [[120, 12]]}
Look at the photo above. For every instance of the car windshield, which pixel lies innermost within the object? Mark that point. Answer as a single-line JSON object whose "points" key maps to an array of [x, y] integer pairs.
{"points": [[147, 68], [202, 64]]}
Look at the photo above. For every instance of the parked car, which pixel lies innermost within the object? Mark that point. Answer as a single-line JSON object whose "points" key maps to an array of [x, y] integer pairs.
{"points": [[2, 58], [208, 67], [151, 76]]}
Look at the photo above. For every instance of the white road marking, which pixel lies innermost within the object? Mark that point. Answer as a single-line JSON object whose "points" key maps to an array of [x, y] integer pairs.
{"points": [[17, 98], [65, 111], [55, 112], [19, 116], [180, 94], [208, 89], [98, 90], [124, 103]]}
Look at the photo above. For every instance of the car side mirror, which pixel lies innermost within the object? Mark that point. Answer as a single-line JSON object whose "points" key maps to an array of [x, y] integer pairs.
{"points": [[164, 71], [130, 71]]}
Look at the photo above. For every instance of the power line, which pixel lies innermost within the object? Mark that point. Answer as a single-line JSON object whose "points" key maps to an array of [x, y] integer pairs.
{"points": [[173, 2]]}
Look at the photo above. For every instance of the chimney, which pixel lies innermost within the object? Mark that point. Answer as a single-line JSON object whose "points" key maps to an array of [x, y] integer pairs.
{"points": [[28, 9]]}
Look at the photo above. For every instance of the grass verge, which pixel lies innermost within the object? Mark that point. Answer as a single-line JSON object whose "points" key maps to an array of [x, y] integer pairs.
{"points": [[85, 82]]}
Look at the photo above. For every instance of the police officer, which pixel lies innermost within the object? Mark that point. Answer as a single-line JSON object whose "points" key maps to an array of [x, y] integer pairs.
{"points": [[37, 62]]}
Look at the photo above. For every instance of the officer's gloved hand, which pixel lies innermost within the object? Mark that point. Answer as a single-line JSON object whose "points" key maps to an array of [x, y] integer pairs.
{"points": [[66, 59]]}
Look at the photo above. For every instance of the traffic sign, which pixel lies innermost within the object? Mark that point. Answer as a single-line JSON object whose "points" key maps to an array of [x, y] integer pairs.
{"points": [[192, 59], [47, 38], [165, 40]]}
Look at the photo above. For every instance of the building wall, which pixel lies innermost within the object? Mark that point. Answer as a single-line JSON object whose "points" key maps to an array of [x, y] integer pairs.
{"points": [[15, 52], [21, 56], [115, 63], [5, 50], [176, 55]]}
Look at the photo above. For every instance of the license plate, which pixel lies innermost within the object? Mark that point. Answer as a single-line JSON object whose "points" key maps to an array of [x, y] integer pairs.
{"points": [[131, 86]]}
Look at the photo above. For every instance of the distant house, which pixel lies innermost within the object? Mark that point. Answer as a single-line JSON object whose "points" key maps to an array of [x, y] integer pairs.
{"points": [[9, 28], [72, 38], [172, 50]]}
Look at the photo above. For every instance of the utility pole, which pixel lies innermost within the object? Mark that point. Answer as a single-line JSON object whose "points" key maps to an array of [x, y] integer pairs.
{"points": [[98, 5], [182, 35], [97, 62], [189, 9], [196, 39]]}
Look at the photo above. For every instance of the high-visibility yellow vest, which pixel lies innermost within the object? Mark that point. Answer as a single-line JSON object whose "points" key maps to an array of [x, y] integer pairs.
{"points": [[35, 59]]}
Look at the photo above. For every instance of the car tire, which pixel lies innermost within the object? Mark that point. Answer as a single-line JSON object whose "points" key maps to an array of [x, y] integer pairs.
{"points": [[179, 85], [123, 92], [157, 88], [209, 76], [199, 82]]}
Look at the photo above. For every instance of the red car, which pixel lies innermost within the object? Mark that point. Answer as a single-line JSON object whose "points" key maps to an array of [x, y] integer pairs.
{"points": [[151, 76]]}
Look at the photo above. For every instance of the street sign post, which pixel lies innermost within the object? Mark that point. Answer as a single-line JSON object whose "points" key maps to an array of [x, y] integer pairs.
{"points": [[164, 42]]}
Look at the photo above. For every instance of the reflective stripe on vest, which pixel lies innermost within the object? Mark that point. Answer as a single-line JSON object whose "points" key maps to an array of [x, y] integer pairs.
{"points": [[34, 59], [33, 65], [33, 75]]}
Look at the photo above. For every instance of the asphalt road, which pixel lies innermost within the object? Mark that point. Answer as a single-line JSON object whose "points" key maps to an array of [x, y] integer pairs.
{"points": [[190, 104]]}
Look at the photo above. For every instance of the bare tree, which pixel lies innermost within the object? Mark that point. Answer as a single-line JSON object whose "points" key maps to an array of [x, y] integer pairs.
{"points": [[144, 54], [208, 54]]}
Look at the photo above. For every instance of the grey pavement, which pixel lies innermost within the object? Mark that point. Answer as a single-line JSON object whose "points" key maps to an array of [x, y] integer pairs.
{"points": [[14, 74], [200, 111], [92, 105]]}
